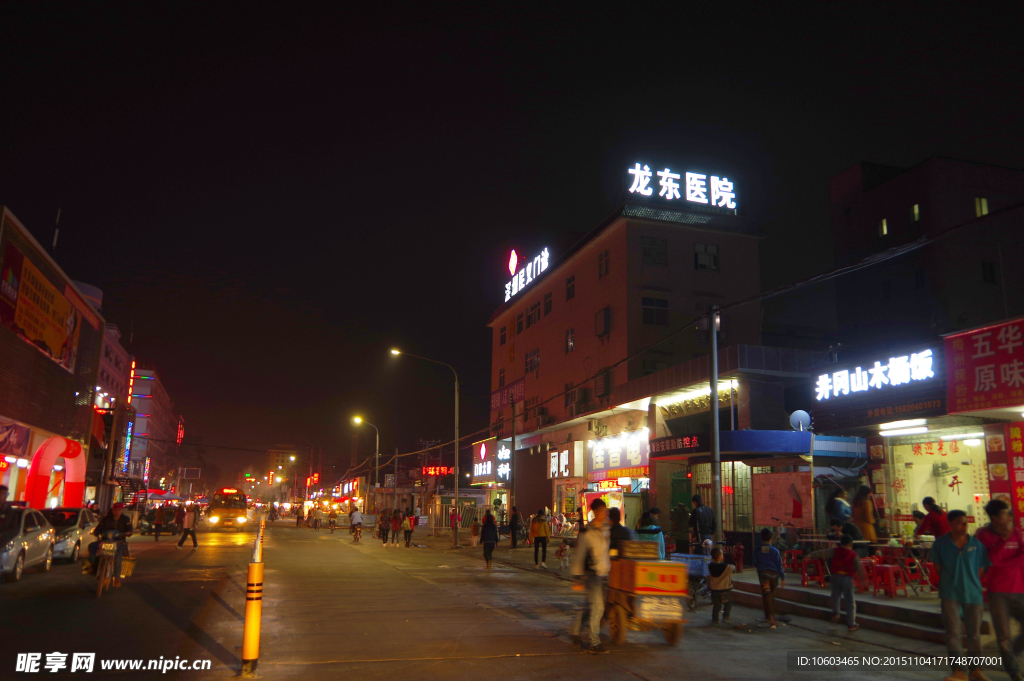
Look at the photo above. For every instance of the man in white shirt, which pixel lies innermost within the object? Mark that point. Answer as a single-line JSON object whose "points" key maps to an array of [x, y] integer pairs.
{"points": [[356, 518], [591, 563]]}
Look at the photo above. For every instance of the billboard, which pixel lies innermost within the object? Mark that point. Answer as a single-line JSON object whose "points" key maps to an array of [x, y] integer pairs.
{"points": [[985, 368], [39, 312], [620, 456]]}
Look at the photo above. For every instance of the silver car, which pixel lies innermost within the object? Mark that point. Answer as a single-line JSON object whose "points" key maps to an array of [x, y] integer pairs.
{"points": [[26, 540], [74, 528]]}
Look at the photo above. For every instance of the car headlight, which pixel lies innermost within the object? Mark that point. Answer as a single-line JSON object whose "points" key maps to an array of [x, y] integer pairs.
{"points": [[214, 519], [240, 519]]}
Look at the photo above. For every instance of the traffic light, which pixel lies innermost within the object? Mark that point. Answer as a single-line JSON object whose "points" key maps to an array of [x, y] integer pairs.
{"points": [[316, 478]]}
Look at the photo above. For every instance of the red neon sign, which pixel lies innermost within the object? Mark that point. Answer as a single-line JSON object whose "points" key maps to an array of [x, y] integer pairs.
{"points": [[229, 490], [727, 490], [131, 382], [270, 478], [438, 470], [4, 465]]}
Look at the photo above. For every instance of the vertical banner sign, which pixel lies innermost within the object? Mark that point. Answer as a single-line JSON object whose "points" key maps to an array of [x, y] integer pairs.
{"points": [[1016, 461], [985, 368]]}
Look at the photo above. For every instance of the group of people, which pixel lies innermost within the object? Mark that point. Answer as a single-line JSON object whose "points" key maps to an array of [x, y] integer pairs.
{"points": [[390, 523]]}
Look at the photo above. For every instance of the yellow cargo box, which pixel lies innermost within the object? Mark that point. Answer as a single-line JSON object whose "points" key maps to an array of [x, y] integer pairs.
{"points": [[649, 577]]}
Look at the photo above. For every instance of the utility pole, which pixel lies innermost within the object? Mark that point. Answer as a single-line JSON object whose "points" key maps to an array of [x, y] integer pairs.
{"points": [[512, 482], [716, 450], [396, 481]]}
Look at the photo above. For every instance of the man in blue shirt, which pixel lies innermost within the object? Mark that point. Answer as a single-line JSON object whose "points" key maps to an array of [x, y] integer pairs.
{"points": [[960, 559], [768, 563]]}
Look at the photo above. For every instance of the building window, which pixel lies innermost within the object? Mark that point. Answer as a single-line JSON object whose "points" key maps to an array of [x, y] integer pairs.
{"points": [[532, 315], [502, 335], [655, 250], [547, 304], [652, 365], [915, 213], [602, 264], [655, 311], [570, 287], [705, 257], [886, 290], [980, 206], [883, 227], [570, 340], [501, 378], [988, 271], [519, 323], [533, 360]]}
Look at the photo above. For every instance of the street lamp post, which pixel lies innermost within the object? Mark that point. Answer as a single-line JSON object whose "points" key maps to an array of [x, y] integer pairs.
{"points": [[376, 466], [455, 499]]}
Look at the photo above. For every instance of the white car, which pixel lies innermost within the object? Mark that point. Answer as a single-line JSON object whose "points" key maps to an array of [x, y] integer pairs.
{"points": [[73, 527], [27, 541]]}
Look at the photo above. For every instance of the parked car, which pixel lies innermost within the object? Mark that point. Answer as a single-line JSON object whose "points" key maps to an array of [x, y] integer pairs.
{"points": [[28, 541], [147, 524], [73, 527]]}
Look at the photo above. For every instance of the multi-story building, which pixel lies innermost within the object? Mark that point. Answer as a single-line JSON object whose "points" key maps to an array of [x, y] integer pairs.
{"points": [[156, 426], [963, 279], [115, 362], [50, 339], [602, 352]]}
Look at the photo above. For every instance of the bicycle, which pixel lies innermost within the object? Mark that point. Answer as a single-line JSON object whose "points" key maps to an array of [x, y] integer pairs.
{"points": [[331, 524], [107, 553]]}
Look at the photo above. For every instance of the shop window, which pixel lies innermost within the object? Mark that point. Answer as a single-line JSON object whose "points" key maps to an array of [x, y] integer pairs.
{"points": [[501, 378], [705, 257], [953, 472], [570, 340], [883, 227], [655, 250], [502, 335], [980, 206], [532, 315], [547, 304], [655, 311], [570, 287], [533, 360], [988, 271], [602, 264]]}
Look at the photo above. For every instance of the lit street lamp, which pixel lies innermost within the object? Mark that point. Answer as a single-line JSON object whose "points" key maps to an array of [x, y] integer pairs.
{"points": [[358, 420], [455, 500]]}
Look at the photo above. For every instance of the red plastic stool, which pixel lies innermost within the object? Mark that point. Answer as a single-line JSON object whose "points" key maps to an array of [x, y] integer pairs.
{"points": [[889, 578], [792, 559], [869, 575], [818, 573]]}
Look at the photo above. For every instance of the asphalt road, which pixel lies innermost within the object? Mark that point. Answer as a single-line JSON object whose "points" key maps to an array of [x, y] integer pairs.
{"points": [[335, 610]]}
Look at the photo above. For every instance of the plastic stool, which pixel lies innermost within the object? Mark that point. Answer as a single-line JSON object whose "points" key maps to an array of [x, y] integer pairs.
{"points": [[792, 559], [818, 573], [889, 578]]}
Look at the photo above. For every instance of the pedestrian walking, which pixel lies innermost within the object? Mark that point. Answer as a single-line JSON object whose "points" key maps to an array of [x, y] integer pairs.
{"points": [[650, 531], [960, 559], [768, 564], [474, 532], [540, 532], [591, 564], [407, 524], [396, 527], [188, 524], [384, 526], [158, 522], [720, 582], [513, 527], [318, 517], [564, 553], [844, 564], [864, 514], [702, 520], [935, 522], [617, 532], [1004, 544], [489, 536]]}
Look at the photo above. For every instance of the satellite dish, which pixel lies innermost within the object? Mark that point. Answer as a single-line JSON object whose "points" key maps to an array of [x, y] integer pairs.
{"points": [[800, 420]]}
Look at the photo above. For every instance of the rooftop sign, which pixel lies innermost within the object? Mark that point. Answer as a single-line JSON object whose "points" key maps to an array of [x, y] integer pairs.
{"points": [[899, 371], [524, 272], [700, 188]]}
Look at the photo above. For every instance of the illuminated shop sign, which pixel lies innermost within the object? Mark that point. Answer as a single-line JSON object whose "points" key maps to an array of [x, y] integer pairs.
{"points": [[899, 371], [624, 455], [710, 190], [566, 461], [524, 276], [433, 471], [492, 461]]}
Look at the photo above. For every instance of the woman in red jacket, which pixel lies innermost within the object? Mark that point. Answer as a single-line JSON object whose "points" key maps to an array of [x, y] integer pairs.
{"points": [[935, 522]]}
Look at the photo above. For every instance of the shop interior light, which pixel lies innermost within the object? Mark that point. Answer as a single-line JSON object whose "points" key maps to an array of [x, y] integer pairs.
{"points": [[962, 436], [903, 424], [974, 442], [903, 431], [22, 463], [58, 467], [10, 459]]}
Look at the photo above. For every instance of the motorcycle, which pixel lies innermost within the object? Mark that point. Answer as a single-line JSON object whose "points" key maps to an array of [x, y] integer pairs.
{"points": [[331, 522], [357, 533]]}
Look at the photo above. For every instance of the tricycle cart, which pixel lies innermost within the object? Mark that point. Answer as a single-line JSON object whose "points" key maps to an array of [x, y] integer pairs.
{"points": [[645, 594]]}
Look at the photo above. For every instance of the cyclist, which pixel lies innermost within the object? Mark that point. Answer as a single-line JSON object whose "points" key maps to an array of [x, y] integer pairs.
{"points": [[332, 519], [119, 526], [356, 520]]}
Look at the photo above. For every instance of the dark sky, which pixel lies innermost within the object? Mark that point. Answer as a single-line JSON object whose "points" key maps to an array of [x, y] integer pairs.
{"points": [[274, 197]]}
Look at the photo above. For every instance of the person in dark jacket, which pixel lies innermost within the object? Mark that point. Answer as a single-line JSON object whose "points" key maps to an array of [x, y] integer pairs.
{"points": [[489, 536], [618, 532], [513, 526], [702, 521], [768, 564]]}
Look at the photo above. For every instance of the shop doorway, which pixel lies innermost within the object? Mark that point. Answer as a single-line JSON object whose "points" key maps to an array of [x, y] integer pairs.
{"points": [[681, 492]]}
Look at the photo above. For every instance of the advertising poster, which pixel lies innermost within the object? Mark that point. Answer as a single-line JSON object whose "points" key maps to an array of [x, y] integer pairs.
{"points": [[985, 368], [37, 311], [783, 497], [1016, 472]]}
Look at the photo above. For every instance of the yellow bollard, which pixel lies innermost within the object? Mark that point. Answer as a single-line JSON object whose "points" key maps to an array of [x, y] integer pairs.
{"points": [[253, 613]]}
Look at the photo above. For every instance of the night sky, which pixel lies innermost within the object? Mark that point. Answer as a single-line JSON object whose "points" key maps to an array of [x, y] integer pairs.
{"points": [[272, 198]]}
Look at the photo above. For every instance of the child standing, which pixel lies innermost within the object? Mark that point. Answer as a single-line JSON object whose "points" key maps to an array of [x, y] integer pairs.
{"points": [[845, 564], [563, 554], [721, 585], [768, 563]]}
